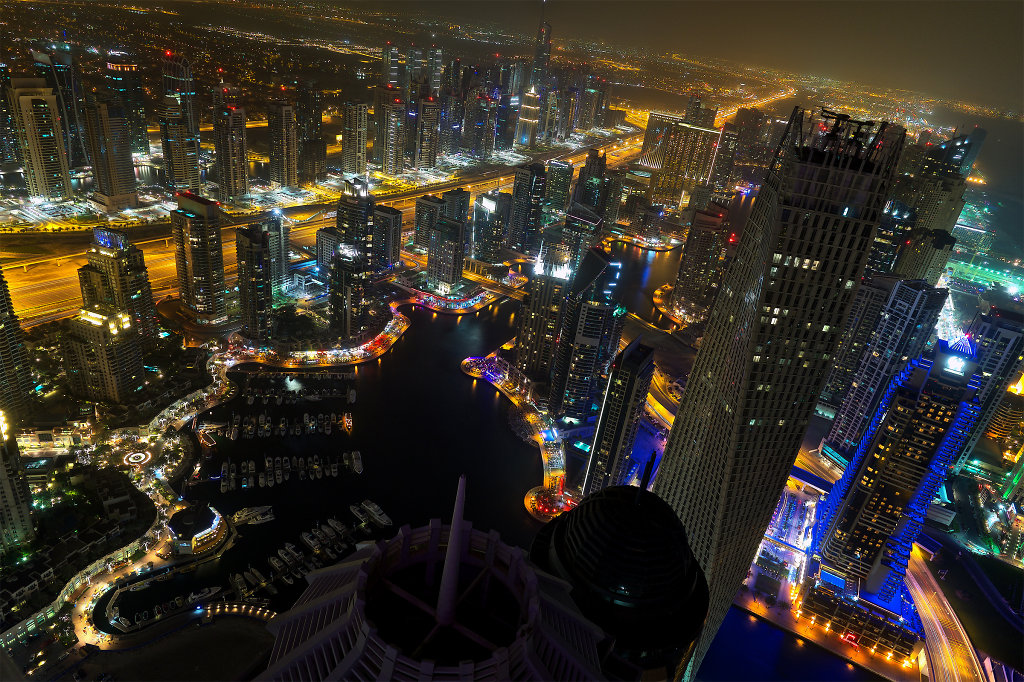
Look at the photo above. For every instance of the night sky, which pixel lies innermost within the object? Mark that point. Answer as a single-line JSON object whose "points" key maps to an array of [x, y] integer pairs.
{"points": [[968, 50]]}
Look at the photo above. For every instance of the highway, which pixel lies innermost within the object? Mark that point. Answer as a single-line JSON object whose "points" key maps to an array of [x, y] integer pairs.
{"points": [[46, 288], [951, 658]]}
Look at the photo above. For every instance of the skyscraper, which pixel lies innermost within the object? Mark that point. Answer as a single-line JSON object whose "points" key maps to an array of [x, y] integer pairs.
{"points": [[527, 199], [312, 145], [999, 337], [537, 330], [897, 222], [15, 370], [284, 143], [556, 191], [588, 339], [590, 185], [36, 115], [391, 135], [199, 258], [180, 148], [328, 239], [355, 218], [109, 145], [124, 80], [528, 120], [924, 255], [456, 204], [15, 501], [278, 235], [488, 228], [445, 255], [349, 308], [680, 155], [255, 289], [770, 337], [874, 513], [179, 84], [890, 323], [231, 160], [427, 145], [582, 230], [54, 64], [354, 118], [703, 261], [541, 55], [103, 355], [621, 409], [387, 237], [115, 275], [429, 209], [8, 137]]}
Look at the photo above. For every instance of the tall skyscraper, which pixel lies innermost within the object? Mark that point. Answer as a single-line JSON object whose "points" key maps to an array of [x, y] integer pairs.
{"points": [[199, 257], [179, 84], [456, 204], [15, 370], [8, 138], [429, 209], [109, 145], [924, 255], [349, 308], [328, 239], [537, 330], [284, 143], [582, 230], [36, 115], [180, 148], [588, 339], [54, 64], [124, 81], [103, 355], [231, 160], [15, 500], [387, 237], [355, 218], [590, 185], [721, 179], [279, 237], [528, 120], [445, 255], [680, 155], [999, 337], [391, 136], [255, 290], [703, 261], [527, 198], [770, 336], [354, 119], [556, 191], [897, 223], [116, 276], [621, 409], [428, 110], [890, 323], [488, 228], [874, 513], [309, 111], [541, 55]]}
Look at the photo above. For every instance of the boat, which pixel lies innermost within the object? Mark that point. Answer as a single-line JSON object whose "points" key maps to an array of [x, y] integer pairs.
{"points": [[334, 417], [263, 479], [279, 398], [259, 576], [249, 400], [316, 461], [287, 464], [319, 473], [239, 584], [123, 623], [245, 482], [252, 467], [305, 418], [270, 479], [262, 518], [276, 564], [223, 485], [234, 432], [347, 457], [351, 396], [249, 513], [277, 463], [327, 428], [295, 462], [319, 535], [268, 461], [348, 421], [358, 513], [157, 611], [179, 601], [262, 419], [302, 463], [330, 553], [357, 462], [279, 476], [291, 550], [328, 532], [204, 593], [334, 468], [337, 525], [245, 467], [224, 470], [376, 513], [282, 426], [139, 586], [287, 579], [310, 541]]}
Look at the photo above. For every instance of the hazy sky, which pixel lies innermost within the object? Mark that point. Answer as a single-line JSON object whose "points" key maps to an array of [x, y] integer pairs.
{"points": [[968, 49]]}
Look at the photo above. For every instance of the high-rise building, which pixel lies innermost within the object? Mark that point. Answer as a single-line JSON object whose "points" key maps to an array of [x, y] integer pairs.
{"points": [[874, 513], [328, 239], [280, 248], [349, 308], [582, 230], [15, 500], [391, 135], [9, 152], [355, 218], [354, 119], [124, 81], [528, 120], [541, 56], [590, 186], [429, 209], [445, 255], [179, 84], [770, 337], [309, 111], [54, 64], [924, 255], [103, 355], [588, 339], [680, 155], [180, 148], [284, 143], [116, 276], [537, 330], [621, 409], [528, 190], [428, 111], [231, 160], [897, 223], [999, 337], [255, 288], [387, 237], [890, 323], [721, 179], [703, 261], [559, 180], [199, 257], [36, 115], [15, 370], [108, 142], [488, 228]]}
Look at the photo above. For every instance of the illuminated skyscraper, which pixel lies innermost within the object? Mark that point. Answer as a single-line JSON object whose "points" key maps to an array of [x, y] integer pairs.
{"points": [[537, 329], [559, 180], [582, 230], [703, 261], [924, 255], [621, 409], [199, 257], [590, 186], [15, 370], [124, 80], [527, 199], [102, 355], [180, 148], [115, 275], [428, 110], [355, 219], [279, 236], [35, 113], [353, 138], [391, 136], [456, 204], [231, 159], [53, 63], [429, 209], [445, 255], [349, 307], [284, 143], [529, 117], [8, 138], [109, 145], [488, 228], [680, 155], [255, 288], [387, 237], [179, 84], [541, 55], [15, 500], [897, 223], [770, 338], [874, 513], [328, 239], [312, 145]]}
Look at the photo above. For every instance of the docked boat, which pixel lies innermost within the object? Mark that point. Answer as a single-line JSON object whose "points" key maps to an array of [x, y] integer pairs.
{"points": [[286, 465], [376, 513], [327, 428], [334, 468], [263, 479], [234, 432], [250, 578], [330, 553], [310, 541], [287, 579], [249, 513], [357, 462], [270, 479], [268, 460], [202, 594], [276, 565], [277, 463], [351, 396], [245, 467], [238, 582], [359, 513], [252, 467], [334, 417], [279, 476], [319, 535], [319, 473], [259, 576], [348, 421], [224, 485], [328, 532], [337, 525], [262, 518]]}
